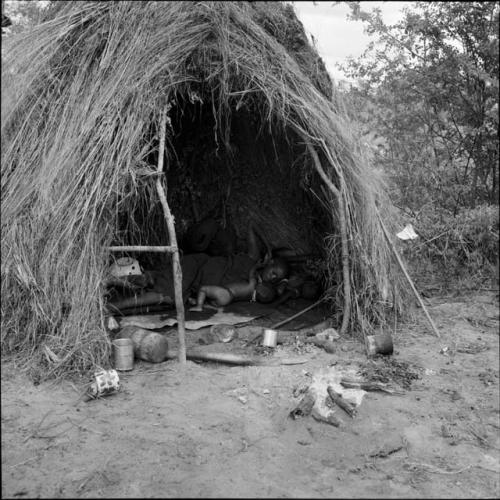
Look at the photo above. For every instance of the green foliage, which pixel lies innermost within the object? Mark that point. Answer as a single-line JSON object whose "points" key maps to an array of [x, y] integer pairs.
{"points": [[25, 13], [429, 87], [456, 245], [427, 97]]}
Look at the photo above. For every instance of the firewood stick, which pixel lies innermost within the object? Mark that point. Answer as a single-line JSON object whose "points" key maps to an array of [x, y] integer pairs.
{"points": [[366, 386], [407, 276], [176, 265], [340, 401], [218, 357]]}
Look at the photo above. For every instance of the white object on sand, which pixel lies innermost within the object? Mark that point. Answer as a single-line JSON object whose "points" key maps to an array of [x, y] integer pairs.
{"points": [[408, 233]]}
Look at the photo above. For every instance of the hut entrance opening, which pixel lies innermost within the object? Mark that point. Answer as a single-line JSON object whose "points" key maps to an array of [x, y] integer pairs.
{"points": [[251, 173]]}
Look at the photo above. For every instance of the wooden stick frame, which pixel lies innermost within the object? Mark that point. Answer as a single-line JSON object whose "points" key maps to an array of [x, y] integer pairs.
{"points": [[172, 248], [177, 271]]}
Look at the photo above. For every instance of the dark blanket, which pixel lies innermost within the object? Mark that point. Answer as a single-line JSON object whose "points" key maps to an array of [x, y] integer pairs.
{"points": [[202, 269]]}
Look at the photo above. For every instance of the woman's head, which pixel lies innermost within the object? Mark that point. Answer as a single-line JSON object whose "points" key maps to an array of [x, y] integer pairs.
{"points": [[276, 270]]}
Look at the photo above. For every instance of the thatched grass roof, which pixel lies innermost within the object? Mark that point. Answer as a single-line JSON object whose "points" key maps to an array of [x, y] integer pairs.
{"points": [[79, 138]]}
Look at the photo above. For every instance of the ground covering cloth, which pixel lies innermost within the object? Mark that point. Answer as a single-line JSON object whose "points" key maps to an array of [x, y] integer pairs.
{"points": [[241, 312]]}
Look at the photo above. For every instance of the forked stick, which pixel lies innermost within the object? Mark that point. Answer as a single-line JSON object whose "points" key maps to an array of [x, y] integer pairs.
{"points": [[176, 265], [338, 193]]}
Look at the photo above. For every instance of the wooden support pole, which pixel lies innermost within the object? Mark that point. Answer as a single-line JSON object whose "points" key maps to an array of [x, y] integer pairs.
{"points": [[176, 265], [142, 248], [343, 235], [405, 272]]}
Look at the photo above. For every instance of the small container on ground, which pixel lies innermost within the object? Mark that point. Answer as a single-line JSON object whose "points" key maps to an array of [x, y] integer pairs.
{"points": [[270, 338], [379, 344], [123, 351]]}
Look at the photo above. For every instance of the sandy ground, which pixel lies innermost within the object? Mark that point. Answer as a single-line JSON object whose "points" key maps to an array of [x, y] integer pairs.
{"points": [[213, 430]]}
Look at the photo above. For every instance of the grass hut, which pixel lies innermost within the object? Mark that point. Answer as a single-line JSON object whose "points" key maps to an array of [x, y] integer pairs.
{"points": [[254, 132]]}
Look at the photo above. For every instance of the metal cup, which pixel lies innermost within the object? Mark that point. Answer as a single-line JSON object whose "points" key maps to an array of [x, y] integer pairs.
{"points": [[379, 344], [270, 338], [123, 350]]}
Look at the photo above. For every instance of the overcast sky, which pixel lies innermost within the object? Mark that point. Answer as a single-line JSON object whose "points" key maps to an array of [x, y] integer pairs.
{"points": [[336, 36]]}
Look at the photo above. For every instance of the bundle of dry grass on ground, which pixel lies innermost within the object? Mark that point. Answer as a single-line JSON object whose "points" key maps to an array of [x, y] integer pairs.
{"points": [[254, 133]]}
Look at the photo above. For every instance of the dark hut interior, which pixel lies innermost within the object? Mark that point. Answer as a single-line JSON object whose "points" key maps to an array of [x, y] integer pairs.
{"points": [[253, 174]]}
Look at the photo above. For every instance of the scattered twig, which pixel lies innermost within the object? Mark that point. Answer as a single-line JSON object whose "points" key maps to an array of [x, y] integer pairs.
{"points": [[33, 434], [482, 440], [385, 453], [159, 370], [38, 436], [247, 445], [80, 426], [436, 470], [74, 387], [25, 462], [92, 474]]}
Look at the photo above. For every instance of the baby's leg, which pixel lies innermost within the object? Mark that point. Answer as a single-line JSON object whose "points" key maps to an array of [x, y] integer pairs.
{"points": [[200, 300], [220, 295]]}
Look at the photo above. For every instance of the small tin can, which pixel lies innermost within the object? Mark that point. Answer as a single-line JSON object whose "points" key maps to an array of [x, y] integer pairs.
{"points": [[270, 338], [123, 350]]}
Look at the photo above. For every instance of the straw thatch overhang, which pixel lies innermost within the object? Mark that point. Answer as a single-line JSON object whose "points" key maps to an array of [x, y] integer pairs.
{"points": [[254, 132]]}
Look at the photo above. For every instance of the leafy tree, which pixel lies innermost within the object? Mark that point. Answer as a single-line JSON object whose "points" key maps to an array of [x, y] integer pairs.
{"points": [[429, 86], [24, 13]]}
